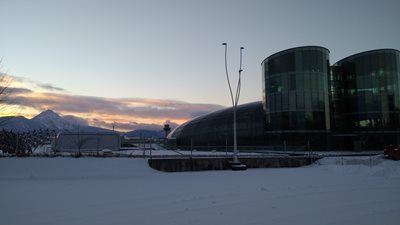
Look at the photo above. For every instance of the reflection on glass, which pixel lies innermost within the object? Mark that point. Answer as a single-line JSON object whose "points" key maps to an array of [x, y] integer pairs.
{"points": [[297, 80]]}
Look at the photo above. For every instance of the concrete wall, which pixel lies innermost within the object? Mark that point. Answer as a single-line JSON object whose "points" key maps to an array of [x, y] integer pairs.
{"points": [[199, 164]]}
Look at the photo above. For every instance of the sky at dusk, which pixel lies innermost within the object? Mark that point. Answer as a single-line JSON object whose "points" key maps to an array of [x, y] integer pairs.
{"points": [[154, 61]]}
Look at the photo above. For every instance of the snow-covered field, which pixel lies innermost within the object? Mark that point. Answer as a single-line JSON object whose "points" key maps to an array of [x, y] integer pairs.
{"points": [[86, 191]]}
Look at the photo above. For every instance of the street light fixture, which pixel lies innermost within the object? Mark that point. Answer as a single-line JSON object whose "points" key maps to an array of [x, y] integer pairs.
{"points": [[235, 165]]}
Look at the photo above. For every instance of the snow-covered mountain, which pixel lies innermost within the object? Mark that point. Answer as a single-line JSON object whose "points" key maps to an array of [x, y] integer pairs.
{"points": [[47, 120], [17, 123], [51, 120]]}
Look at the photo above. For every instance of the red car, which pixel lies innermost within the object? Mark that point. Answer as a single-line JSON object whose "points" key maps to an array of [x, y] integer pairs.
{"points": [[393, 151]]}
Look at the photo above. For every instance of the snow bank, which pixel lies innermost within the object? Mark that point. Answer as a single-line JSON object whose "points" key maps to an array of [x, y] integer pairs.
{"points": [[126, 191]]}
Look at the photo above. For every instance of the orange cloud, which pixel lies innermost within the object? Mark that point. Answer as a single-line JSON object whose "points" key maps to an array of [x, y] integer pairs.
{"points": [[124, 113]]}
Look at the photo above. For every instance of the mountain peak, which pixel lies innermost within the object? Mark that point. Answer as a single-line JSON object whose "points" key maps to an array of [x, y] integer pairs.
{"points": [[50, 119], [47, 113]]}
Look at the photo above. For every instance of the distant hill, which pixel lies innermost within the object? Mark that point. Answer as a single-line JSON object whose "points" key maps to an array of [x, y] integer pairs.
{"points": [[47, 120]]}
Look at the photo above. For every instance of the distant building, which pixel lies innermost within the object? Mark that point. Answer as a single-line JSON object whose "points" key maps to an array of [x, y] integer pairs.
{"points": [[86, 142], [309, 104]]}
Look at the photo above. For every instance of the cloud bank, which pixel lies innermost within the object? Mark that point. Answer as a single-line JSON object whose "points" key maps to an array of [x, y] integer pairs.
{"points": [[123, 113]]}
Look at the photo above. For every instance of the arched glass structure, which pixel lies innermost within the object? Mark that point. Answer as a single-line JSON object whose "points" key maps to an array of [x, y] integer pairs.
{"points": [[215, 130], [366, 97]]}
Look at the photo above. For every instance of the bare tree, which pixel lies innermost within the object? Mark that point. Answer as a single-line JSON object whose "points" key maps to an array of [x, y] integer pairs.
{"points": [[5, 82]]}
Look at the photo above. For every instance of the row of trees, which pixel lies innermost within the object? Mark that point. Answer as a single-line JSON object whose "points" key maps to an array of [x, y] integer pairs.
{"points": [[24, 143]]}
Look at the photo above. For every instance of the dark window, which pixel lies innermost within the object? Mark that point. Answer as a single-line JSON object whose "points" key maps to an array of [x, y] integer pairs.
{"points": [[285, 82], [300, 100], [292, 101], [271, 66], [284, 121], [301, 121], [314, 81], [307, 81], [321, 101], [293, 121], [307, 101], [292, 82], [300, 82], [314, 103], [272, 100], [321, 82], [278, 102], [275, 84], [285, 101], [287, 63]]}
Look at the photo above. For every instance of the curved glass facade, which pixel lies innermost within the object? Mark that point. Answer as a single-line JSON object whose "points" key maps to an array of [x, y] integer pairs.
{"points": [[366, 96], [216, 129], [295, 91]]}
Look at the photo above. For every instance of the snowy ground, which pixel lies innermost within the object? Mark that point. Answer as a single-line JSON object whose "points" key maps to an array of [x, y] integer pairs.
{"points": [[86, 191]]}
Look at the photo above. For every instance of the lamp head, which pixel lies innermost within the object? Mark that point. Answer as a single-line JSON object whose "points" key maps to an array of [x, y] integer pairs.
{"points": [[241, 48], [224, 43]]}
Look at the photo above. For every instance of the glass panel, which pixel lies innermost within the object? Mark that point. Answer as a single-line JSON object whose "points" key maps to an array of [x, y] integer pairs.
{"points": [[272, 104], [292, 101], [314, 103], [298, 62], [278, 102], [285, 83], [283, 63], [293, 121], [321, 80], [300, 100], [271, 66], [381, 65], [301, 120], [275, 84], [285, 101], [291, 62], [314, 81], [360, 69], [277, 65], [388, 62], [319, 61], [307, 101], [308, 120], [324, 62], [307, 82], [307, 60], [299, 82], [292, 82], [321, 101], [285, 121]]}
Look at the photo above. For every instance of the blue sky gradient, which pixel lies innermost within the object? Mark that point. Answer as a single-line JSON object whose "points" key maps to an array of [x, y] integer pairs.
{"points": [[172, 49]]}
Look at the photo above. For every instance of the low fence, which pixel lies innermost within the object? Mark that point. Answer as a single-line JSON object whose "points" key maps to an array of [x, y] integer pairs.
{"points": [[244, 148]]}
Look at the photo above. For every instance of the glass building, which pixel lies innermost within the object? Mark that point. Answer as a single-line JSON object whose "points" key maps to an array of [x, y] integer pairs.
{"points": [[296, 96], [215, 130], [365, 100], [308, 104]]}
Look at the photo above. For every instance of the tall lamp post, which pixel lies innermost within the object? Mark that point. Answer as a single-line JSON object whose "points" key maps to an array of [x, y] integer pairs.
{"points": [[235, 165]]}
